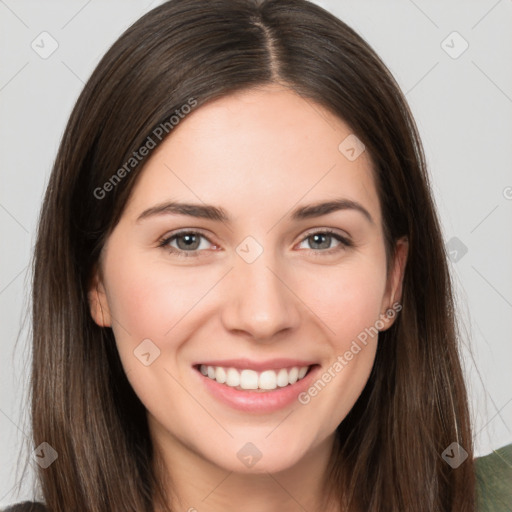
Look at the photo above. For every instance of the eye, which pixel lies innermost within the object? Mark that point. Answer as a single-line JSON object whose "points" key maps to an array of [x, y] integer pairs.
{"points": [[321, 241], [190, 243], [186, 243]]}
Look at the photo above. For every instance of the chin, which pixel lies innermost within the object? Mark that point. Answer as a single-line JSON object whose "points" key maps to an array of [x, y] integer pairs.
{"points": [[258, 458]]}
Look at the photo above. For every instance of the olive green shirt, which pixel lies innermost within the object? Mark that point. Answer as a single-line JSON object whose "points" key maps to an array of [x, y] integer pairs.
{"points": [[494, 481]]}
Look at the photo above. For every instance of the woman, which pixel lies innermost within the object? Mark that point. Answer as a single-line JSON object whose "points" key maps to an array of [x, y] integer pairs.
{"points": [[240, 296]]}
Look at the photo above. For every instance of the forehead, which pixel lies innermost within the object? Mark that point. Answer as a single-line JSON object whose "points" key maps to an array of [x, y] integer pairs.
{"points": [[267, 147]]}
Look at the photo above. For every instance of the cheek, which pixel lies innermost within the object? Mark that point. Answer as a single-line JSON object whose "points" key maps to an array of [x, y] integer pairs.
{"points": [[150, 307], [147, 296], [141, 307], [150, 300], [347, 298]]}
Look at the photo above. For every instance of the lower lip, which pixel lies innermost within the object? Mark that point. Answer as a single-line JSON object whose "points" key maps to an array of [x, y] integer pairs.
{"points": [[257, 401]]}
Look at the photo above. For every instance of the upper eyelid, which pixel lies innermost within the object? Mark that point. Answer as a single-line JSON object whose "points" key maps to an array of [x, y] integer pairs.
{"points": [[335, 231], [307, 234], [168, 237]]}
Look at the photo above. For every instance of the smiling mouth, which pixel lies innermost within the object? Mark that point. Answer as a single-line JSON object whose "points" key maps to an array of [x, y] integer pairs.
{"points": [[251, 380]]}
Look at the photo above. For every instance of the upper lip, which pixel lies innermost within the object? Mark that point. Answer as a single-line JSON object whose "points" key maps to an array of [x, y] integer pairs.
{"points": [[270, 364]]}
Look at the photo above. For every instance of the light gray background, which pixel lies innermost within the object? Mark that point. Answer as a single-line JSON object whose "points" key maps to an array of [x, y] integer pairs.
{"points": [[463, 107]]}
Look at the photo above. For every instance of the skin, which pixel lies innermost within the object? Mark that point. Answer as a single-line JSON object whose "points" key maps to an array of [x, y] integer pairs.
{"points": [[258, 154]]}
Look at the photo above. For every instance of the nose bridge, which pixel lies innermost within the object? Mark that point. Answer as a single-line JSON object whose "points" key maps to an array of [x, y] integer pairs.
{"points": [[258, 302]]}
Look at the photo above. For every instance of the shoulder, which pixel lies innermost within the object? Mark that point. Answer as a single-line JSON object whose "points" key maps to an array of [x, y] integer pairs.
{"points": [[26, 506], [494, 480]]}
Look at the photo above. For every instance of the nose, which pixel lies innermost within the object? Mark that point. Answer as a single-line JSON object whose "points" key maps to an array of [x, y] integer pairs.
{"points": [[260, 301]]}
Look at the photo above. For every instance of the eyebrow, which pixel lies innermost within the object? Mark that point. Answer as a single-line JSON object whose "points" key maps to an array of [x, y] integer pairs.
{"points": [[205, 211]]}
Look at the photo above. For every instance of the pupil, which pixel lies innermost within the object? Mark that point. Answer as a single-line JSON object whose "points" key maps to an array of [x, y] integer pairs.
{"points": [[189, 241], [318, 237]]}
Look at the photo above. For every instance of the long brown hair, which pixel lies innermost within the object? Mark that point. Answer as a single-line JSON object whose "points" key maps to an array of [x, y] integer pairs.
{"points": [[388, 450]]}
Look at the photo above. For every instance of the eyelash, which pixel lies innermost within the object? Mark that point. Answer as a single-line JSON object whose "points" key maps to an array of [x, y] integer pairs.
{"points": [[345, 242]]}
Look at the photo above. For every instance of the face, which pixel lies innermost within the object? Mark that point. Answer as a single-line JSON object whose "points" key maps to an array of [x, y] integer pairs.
{"points": [[254, 283]]}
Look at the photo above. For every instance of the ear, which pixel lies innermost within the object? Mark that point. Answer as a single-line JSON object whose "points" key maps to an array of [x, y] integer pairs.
{"points": [[98, 303], [391, 300]]}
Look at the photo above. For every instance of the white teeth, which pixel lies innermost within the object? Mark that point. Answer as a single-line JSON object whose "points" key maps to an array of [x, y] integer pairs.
{"points": [[233, 378], [220, 375], [282, 378], [268, 380], [293, 375], [250, 379]]}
